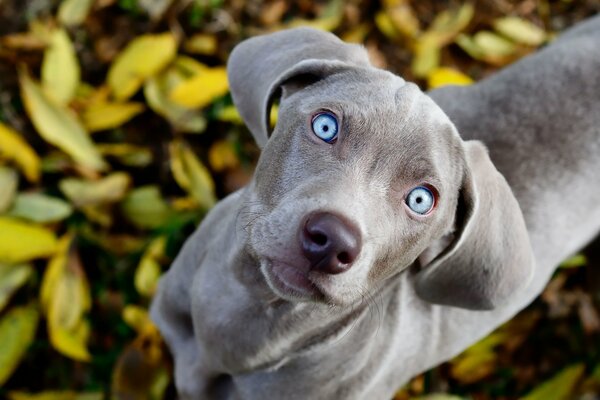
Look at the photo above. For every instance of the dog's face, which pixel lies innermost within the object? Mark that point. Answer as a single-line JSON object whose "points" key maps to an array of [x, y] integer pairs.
{"points": [[362, 174], [393, 147]]}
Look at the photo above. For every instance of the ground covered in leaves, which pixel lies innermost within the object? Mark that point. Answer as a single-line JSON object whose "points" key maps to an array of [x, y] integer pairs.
{"points": [[117, 135]]}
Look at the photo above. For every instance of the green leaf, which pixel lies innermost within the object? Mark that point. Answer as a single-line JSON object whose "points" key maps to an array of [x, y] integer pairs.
{"points": [[58, 125], [520, 30], [83, 193], [578, 260], [9, 180], [74, 12], [40, 208], [60, 68], [17, 330], [560, 386], [40, 242], [145, 207], [12, 277]]}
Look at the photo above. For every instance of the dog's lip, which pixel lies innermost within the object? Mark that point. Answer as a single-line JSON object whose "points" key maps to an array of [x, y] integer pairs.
{"points": [[290, 281]]}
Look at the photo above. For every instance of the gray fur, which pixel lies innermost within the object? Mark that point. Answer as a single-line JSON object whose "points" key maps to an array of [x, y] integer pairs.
{"points": [[503, 222]]}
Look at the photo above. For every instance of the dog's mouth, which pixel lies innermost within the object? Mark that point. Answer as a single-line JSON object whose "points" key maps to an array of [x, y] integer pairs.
{"points": [[290, 282]]}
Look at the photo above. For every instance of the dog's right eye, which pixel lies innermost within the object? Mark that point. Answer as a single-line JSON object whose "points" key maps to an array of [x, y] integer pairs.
{"points": [[325, 126]]}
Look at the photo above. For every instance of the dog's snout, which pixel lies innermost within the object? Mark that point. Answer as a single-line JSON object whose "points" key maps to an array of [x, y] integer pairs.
{"points": [[329, 243]]}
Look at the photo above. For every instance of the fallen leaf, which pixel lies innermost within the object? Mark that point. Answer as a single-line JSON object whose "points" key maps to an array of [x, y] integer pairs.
{"points": [[145, 207], [328, 20], [578, 260], [560, 386], [37, 207], [222, 156], [102, 116], [55, 395], [83, 193], [40, 242], [9, 180], [149, 270], [12, 277], [15, 148], [357, 34], [202, 89], [65, 298], [127, 154], [191, 174], [404, 19], [201, 43], [58, 125], [137, 318], [74, 12], [386, 26], [479, 360], [520, 30], [143, 58], [60, 68], [447, 76], [427, 55], [157, 91], [155, 8], [450, 23], [17, 331]]}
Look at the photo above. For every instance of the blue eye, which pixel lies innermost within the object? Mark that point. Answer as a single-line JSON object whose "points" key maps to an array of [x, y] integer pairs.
{"points": [[325, 126], [420, 200]]}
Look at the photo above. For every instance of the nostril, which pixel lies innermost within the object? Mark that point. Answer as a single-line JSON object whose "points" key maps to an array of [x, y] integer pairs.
{"points": [[318, 238], [344, 258]]}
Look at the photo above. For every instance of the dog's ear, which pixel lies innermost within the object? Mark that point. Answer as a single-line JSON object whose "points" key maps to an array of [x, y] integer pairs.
{"points": [[490, 256], [258, 67]]}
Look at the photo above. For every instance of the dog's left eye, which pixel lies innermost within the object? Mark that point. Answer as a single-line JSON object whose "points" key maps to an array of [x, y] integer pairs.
{"points": [[325, 126], [420, 200]]}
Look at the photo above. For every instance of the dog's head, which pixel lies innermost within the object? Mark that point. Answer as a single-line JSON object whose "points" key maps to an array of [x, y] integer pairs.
{"points": [[362, 176]]}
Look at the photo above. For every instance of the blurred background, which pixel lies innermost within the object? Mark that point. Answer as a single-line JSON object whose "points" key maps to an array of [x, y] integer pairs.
{"points": [[117, 135]]}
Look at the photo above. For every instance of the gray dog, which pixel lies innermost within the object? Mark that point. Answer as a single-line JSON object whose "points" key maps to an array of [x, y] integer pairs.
{"points": [[378, 237]]}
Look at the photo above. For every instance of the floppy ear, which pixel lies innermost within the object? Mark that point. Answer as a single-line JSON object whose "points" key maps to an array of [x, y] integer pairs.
{"points": [[490, 257], [259, 66]]}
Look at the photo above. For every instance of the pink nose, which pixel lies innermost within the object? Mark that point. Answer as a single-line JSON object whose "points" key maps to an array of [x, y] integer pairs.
{"points": [[329, 243]]}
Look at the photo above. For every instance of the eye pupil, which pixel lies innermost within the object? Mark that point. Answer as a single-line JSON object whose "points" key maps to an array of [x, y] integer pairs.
{"points": [[325, 126], [420, 200]]}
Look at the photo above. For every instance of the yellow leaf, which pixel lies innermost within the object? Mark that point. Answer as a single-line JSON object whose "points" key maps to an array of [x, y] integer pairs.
{"points": [[82, 193], [201, 43], [9, 180], [157, 90], [427, 55], [55, 395], [40, 242], [127, 154], [13, 147], [478, 361], [222, 156], [141, 372], [65, 298], [404, 19], [74, 12], [560, 386], [148, 270], [12, 277], [102, 116], [447, 76], [520, 30], [17, 331], [145, 207], [231, 114], [494, 45], [37, 207], [450, 23], [143, 58], [136, 317], [357, 34], [328, 20], [58, 125], [386, 26], [60, 68], [202, 89], [191, 175]]}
